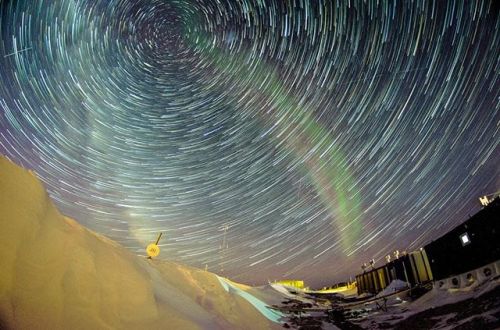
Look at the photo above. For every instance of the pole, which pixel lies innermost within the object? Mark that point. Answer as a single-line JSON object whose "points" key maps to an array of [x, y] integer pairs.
{"points": [[159, 236]]}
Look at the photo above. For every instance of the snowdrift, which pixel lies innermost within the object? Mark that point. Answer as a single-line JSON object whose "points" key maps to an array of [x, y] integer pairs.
{"points": [[56, 274]]}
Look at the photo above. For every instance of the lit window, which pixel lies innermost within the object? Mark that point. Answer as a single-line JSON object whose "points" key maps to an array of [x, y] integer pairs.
{"points": [[464, 238]]}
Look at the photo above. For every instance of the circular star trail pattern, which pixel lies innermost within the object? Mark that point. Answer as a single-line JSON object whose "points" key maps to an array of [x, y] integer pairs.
{"points": [[265, 139]]}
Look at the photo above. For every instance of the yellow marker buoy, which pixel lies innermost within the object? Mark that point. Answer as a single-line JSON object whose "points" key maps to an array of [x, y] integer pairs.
{"points": [[153, 250]]}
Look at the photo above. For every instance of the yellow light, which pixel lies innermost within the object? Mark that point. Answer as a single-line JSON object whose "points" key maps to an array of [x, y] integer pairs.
{"points": [[153, 250]]}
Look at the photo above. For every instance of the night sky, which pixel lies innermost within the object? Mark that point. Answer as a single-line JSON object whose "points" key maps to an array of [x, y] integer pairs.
{"points": [[265, 139]]}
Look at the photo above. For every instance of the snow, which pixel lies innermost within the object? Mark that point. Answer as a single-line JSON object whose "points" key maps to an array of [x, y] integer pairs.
{"points": [[399, 310], [285, 291], [439, 297], [56, 274], [257, 303], [394, 286]]}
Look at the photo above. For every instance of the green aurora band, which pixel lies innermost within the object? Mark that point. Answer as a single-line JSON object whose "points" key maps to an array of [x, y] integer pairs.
{"points": [[294, 128]]}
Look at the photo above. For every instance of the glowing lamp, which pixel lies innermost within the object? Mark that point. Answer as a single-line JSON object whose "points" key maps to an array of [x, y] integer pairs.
{"points": [[464, 239]]}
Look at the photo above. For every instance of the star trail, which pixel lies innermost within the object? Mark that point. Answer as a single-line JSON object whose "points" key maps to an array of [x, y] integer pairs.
{"points": [[265, 139]]}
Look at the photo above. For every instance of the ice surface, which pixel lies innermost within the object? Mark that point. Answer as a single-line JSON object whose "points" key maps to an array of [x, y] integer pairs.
{"points": [[257, 303], [56, 274]]}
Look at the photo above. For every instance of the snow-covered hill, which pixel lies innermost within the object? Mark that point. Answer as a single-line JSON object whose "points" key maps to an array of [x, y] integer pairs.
{"points": [[56, 274]]}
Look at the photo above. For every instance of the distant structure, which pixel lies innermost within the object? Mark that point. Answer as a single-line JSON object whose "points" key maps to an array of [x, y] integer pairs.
{"points": [[297, 284], [338, 287], [468, 253], [487, 199]]}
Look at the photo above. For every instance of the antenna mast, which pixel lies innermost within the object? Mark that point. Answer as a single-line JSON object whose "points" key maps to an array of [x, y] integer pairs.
{"points": [[223, 247]]}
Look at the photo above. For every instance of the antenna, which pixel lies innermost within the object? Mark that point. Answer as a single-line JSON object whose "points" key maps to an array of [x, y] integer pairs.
{"points": [[223, 247]]}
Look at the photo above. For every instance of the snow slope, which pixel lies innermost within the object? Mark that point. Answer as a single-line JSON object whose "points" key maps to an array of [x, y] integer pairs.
{"points": [[56, 274]]}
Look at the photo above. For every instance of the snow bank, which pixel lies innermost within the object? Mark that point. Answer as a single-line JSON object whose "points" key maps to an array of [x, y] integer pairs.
{"points": [[56, 274], [261, 306], [439, 297], [394, 286]]}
